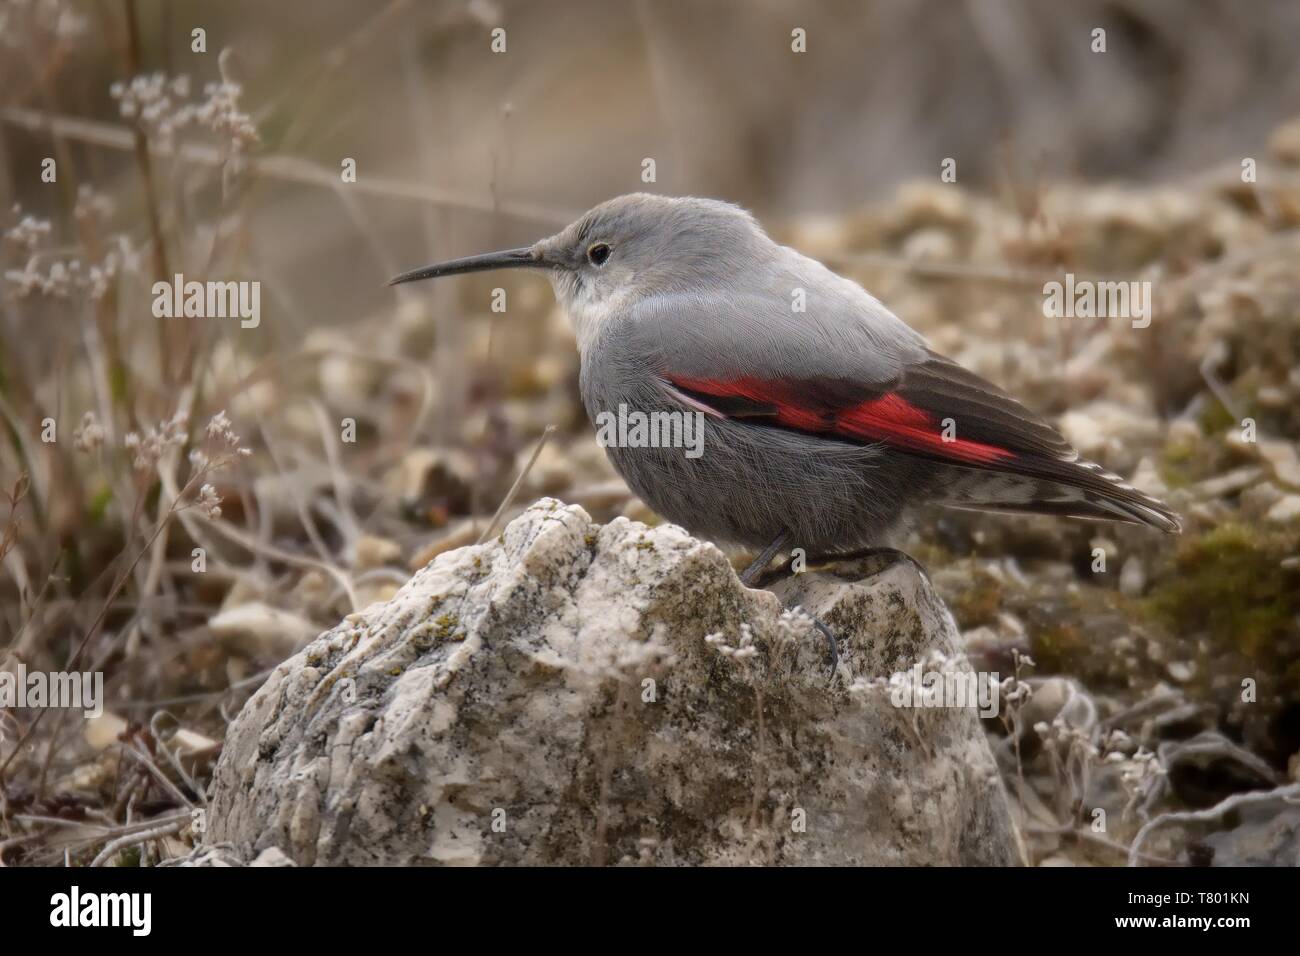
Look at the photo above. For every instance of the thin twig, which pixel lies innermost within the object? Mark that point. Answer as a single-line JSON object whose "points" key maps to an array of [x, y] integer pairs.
{"points": [[132, 839], [289, 168], [99, 618], [1210, 813], [514, 489], [140, 145], [287, 557], [158, 775]]}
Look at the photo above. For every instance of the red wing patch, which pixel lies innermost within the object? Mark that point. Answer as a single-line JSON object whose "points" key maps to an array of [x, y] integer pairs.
{"points": [[808, 407]]}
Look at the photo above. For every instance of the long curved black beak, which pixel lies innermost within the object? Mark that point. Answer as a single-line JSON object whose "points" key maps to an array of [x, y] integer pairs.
{"points": [[509, 259]]}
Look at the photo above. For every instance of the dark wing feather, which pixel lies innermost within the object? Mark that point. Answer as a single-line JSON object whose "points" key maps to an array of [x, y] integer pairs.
{"points": [[980, 410], [934, 409]]}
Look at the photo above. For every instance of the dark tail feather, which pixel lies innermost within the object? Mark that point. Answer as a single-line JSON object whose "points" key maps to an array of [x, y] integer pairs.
{"points": [[1075, 489]]}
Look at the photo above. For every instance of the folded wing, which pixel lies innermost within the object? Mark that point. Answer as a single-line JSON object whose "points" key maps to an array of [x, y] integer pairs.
{"points": [[850, 375]]}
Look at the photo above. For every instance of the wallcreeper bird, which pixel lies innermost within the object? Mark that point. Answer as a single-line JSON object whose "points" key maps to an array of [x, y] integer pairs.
{"points": [[826, 417]]}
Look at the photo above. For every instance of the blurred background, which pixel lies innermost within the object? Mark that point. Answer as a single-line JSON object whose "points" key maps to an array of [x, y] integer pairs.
{"points": [[586, 90], [1164, 148]]}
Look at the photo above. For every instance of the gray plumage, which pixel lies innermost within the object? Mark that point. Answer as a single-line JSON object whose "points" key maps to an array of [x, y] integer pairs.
{"points": [[823, 423]]}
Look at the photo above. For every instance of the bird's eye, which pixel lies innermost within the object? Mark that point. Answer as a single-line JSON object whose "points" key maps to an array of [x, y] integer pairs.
{"points": [[599, 253]]}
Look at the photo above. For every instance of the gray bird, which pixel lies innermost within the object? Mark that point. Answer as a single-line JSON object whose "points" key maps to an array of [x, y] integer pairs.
{"points": [[825, 417]]}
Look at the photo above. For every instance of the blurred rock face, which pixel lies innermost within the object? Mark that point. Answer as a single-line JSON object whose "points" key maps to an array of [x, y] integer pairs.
{"points": [[881, 93], [551, 697]]}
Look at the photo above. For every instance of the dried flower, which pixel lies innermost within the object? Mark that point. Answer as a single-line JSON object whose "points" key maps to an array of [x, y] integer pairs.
{"points": [[147, 450], [90, 435], [28, 232], [209, 502], [220, 429]]}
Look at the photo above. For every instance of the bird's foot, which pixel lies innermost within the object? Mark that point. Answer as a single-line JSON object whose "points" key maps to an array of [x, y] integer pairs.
{"points": [[755, 571], [760, 563], [834, 647], [893, 555]]}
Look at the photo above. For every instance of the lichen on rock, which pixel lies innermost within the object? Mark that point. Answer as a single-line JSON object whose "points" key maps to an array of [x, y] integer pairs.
{"points": [[570, 693]]}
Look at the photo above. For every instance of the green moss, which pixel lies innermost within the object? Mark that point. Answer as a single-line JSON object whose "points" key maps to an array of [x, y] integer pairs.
{"points": [[1230, 582], [980, 603], [1174, 475], [930, 554], [120, 383], [1214, 418], [1177, 462], [1058, 647], [99, 504]]}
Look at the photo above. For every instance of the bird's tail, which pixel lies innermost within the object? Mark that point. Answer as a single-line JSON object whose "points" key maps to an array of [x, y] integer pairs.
{"points": [[1075, 489]]}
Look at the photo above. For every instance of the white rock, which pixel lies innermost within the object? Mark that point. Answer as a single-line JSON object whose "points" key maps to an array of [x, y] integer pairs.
{"points": [[257, 628], [224, 855], [1103, 430], [375, 552], [1182, 671], [1283, 459], [549, 698], [1230, 482], [1133, 577], [1285, 510], [105, 730]]}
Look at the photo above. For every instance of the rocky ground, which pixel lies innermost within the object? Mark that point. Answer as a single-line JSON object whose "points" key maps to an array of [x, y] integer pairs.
{"points": [[1156, 707]]}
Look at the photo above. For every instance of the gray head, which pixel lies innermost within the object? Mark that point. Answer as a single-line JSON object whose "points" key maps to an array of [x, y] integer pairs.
{"points": [[631, 246]]}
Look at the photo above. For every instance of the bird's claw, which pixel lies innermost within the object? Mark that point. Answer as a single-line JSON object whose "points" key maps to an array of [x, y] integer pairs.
{"points": [[834, 648]]}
